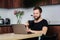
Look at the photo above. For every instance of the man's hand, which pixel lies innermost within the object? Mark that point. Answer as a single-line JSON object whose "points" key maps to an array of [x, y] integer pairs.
{"points": [[32, 31], [28, 30]]}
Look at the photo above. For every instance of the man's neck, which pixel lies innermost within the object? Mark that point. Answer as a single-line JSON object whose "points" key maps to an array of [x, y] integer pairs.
{"points": [[36, 21]]}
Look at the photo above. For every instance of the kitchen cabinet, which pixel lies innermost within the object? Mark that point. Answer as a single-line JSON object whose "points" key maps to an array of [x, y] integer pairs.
{"points": [[19, 3]]}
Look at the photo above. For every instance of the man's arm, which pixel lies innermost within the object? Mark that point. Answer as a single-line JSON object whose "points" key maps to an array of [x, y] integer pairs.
{"points": [[43, 31], [27, 26]]}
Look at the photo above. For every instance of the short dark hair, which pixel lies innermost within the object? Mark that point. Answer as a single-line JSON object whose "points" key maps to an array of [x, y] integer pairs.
{"points": [[37, 7]]}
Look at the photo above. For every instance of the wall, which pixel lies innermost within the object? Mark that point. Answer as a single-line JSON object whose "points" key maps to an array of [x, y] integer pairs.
{"points": [[9, 13], [51, 13]]}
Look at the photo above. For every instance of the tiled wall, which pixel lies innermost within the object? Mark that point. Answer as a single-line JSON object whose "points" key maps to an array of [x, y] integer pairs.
{"points": [[51, 13]]}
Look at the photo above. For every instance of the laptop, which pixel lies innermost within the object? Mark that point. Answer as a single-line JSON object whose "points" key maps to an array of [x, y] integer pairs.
{"points": [[19, 29]]}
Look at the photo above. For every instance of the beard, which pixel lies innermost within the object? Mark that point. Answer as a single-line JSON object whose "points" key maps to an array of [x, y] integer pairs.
{"points": [[37, 18]]}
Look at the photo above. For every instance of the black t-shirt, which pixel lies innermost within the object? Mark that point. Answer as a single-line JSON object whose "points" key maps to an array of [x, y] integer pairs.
{"points": [[37, 26]]}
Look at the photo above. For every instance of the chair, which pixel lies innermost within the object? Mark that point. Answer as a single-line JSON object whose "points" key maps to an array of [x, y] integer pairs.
{"points": [[51, 37]]}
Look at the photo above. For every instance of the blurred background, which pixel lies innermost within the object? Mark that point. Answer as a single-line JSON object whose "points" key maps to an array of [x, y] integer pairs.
{"points": [[51, 12]]}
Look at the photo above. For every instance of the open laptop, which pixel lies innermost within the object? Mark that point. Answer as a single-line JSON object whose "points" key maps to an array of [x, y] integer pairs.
{"points": [[19, 29]]}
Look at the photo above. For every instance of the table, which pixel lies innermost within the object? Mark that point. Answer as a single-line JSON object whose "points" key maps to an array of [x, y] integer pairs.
{"points": [[12, 36]]}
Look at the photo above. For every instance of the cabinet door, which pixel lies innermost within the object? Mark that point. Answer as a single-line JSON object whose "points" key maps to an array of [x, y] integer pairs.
{"points": [[0, 30], [6, 29], [17, 3]]}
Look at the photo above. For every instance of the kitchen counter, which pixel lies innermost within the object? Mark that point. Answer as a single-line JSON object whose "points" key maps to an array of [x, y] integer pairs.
{"points": [[5, 25], [14, 24]]}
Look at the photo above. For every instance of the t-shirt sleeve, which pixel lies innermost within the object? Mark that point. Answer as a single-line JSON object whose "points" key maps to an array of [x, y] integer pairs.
{"points": [[45, 23], [30, 23]]}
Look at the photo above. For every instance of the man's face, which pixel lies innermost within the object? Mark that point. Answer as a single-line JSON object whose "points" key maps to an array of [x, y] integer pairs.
{"points": [[36, 14]]}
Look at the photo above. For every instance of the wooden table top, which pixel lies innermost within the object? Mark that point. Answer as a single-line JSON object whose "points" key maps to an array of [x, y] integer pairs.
{"points": [[12, 36]]}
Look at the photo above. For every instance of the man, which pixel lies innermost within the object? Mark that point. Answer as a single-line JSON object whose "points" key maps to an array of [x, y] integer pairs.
{"points": [[38, 25]]}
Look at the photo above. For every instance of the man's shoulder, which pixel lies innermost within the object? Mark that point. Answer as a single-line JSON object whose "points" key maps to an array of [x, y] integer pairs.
{"points": [[44, 20], [30, 21]]}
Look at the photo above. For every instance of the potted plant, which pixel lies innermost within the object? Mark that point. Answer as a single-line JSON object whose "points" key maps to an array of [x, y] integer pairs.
{"points": [[19, 15]]}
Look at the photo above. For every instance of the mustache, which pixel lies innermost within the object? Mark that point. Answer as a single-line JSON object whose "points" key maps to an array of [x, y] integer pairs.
{"points": [[37, 18]]}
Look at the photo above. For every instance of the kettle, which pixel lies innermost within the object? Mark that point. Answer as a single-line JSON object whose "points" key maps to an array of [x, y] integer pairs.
{"points": [[7, 21]]}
